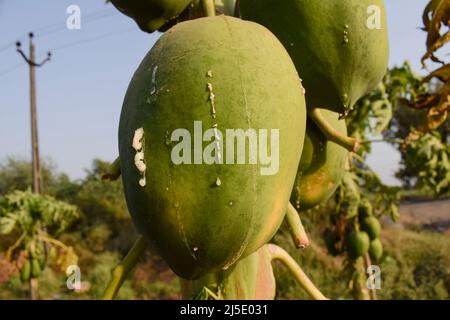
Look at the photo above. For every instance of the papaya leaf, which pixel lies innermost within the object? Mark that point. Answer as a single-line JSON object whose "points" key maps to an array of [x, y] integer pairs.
{"points": [[436, 15], [382, 112], [7, 224]]}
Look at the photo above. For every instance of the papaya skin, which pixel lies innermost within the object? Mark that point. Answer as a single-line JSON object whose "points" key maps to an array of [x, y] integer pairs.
{"points": [[150, 15], [358, 244], [251, 278], [372, 226], [376, 249], [25, 272], [197, 225], [322, 165], [338, 56]]}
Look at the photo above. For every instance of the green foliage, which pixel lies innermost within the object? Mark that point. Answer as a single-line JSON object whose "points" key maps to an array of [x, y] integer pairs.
{"points": [[25, 211], [15, 174], [428, 159], [419, 269]]}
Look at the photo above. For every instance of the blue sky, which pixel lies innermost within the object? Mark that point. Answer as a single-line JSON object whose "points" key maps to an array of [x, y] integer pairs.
{"points": [[80, 92]]}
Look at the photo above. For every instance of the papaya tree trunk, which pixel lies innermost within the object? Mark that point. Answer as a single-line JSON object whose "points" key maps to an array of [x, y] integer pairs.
{"points": [[34, 289], [368, 263], [360, 290]]}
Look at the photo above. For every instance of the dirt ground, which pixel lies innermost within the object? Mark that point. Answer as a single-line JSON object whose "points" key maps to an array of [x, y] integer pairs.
{"points": [[434, 215]]}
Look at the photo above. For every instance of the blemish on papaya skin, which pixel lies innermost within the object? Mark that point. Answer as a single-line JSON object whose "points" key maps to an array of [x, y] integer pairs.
{"points": [[139, 160], [153, 83], [212, 98]]}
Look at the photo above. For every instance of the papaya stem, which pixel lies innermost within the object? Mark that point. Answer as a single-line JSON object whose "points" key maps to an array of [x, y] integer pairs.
{"points": [[278, 253], [399, 141], [121, 271], [368, 263], [351, 144], [55, 242], [14, 246], [113, 171], [296, 228], [211, 294], [209, 9]]}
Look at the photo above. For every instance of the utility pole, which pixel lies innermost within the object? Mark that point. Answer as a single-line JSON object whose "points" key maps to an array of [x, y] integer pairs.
{"points": [[36, 168]]}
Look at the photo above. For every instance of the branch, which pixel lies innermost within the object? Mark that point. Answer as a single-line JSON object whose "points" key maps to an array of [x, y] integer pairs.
{"points": [[278, 253], [296, 228], [209, 9], [121, 271], [14, 246], [113, 171], [349, 143]]}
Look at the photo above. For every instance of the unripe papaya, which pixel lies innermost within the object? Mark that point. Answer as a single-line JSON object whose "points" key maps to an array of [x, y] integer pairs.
{"points": [[339, 47], [251, 278], [322, 165], [150, 15], [376, 249], [25, 272], [35, 268], [372, 226], [222, 74], [358, 243], [365, 208]]}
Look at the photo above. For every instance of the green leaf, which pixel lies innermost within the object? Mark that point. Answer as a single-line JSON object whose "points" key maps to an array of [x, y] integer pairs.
{"points": [[7, 224]]}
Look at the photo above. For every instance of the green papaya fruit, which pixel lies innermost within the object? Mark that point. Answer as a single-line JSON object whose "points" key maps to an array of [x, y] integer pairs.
{"points": [[42, 262], [251, 278], [339, 47], [322, 165], [358, 243], [376, 249], [211, 73], [372, 226], [25, 272], [35, 268], [150, 15], [365, 208]]}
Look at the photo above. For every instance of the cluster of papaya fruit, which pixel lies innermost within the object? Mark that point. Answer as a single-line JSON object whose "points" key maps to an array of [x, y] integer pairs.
{"points": [[296, 66], [357, 242], [34, 263]]}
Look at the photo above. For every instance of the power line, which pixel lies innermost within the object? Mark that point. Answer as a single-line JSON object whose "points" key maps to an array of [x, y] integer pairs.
{"points": [[87, 17], [8, 70], [56, 27], [62, 25], [72, 44], [102, 36]]}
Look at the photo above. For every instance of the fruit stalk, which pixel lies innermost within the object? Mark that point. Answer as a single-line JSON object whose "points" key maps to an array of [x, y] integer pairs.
{"points": [[351, 144], [113, 171], [208, 8], [296, 228], [121, 271], [278, 253]]}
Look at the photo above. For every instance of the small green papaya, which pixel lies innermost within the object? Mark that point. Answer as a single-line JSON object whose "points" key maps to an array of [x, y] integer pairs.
{"points": [[365, 208], [150, 15], [339, 47], [358, 243], [372, 226], [25, 271], [376, 249], [251, 278], [208, 199], [322, 165], [35, 268]]}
